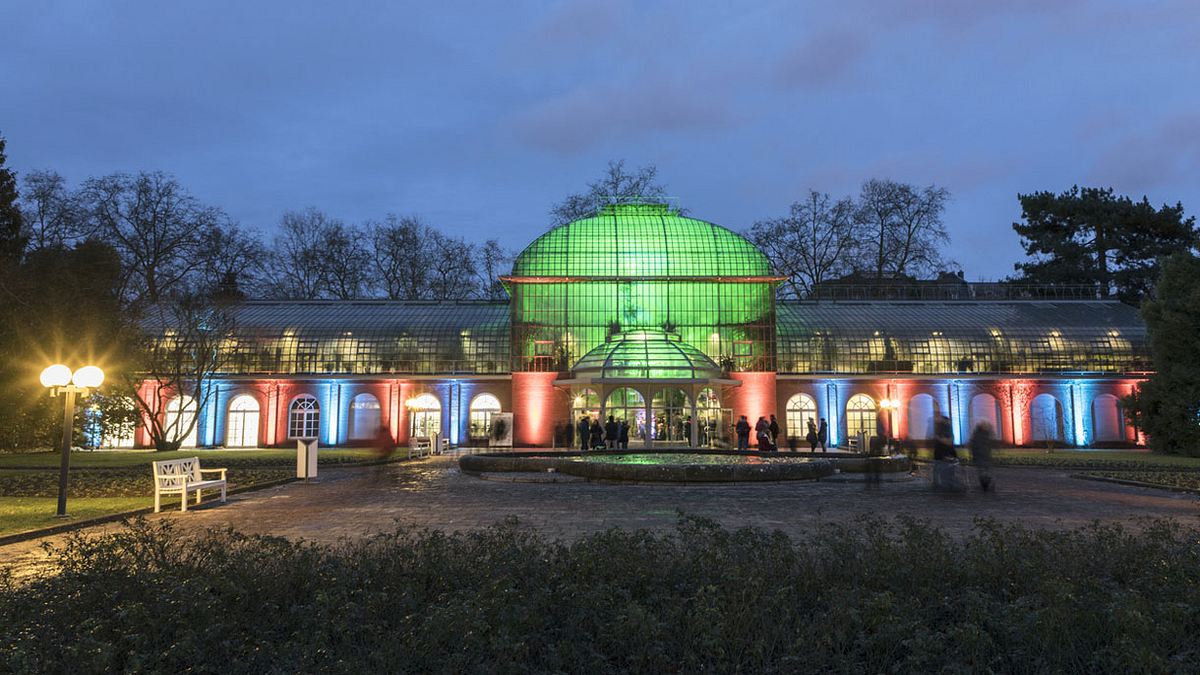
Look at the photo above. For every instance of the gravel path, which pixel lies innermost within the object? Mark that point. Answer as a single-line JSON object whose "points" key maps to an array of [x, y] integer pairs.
{"points": [[353, 502]]}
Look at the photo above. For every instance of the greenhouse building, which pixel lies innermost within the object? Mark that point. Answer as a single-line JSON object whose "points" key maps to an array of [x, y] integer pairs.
{"points": [[673, 325]]}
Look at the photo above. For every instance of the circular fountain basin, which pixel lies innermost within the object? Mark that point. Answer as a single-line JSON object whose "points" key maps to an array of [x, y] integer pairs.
{"points": [[690, 466]]}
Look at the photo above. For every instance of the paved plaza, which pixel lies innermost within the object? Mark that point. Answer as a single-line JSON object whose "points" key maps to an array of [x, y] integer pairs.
{"points": [[353, 502]]}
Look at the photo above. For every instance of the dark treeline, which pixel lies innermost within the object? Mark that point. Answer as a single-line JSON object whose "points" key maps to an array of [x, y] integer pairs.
{"points": [[170, 243]]}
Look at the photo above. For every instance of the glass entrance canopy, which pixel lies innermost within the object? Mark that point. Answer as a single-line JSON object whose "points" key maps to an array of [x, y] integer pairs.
{"points": [[645, 355]]}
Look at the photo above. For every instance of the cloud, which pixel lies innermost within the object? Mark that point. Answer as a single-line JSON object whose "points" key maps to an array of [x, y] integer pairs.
{"points": [[1165, 155], [570, 123], [823, 59]]}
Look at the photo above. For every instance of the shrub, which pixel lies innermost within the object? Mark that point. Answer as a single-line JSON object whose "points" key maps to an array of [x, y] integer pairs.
{"points": [[869, 596]]}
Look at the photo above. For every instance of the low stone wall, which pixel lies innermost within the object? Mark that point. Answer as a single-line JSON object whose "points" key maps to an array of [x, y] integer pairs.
{"points": [[568, 463]]}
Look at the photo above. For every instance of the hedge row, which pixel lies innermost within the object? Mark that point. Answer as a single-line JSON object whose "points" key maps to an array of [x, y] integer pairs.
{"points": [[867, 597]]}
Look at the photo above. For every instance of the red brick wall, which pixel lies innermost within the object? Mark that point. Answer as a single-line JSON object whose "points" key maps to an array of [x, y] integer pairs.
{"points": [[754, 398], [537, 406]]}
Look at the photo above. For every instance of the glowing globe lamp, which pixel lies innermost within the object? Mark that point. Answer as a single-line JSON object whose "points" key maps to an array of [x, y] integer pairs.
{"points": [[88, 376], [56, 375]]}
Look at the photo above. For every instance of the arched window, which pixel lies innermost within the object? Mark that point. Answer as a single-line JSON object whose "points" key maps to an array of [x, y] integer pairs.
{"points": [[800, 409], [241, 426], [671, 409], [1107, 425], [860, 416], [425, 416], [304, 417], [921, 411], [1045, 419], [181, 418], [984, 408], [479, 424], [627, 403], [365, 417]]}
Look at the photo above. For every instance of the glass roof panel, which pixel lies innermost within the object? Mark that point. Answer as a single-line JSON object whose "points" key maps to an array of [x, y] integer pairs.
{"points": [[641, 240], [960, 337]]}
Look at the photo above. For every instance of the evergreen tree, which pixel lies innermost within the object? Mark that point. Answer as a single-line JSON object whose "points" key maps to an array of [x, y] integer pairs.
{"points": [[1167, 406], [12, 235], [1094, 236]]}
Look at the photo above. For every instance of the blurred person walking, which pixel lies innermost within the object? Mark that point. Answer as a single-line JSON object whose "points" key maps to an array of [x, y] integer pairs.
{"points": [[981, 444]]}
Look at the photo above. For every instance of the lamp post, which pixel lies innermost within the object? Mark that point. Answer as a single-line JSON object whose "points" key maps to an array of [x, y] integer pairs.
{"points": [[60, 380]]}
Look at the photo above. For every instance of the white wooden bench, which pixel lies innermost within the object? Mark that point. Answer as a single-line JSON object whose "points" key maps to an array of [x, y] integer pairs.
{"points": [[419, 446], [180, 476]]}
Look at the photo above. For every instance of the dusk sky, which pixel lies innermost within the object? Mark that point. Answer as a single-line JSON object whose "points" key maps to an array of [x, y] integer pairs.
{"points": [[478, 116]]}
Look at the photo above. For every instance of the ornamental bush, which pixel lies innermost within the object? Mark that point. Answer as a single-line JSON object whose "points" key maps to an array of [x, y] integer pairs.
{"points": [[869, 596]]}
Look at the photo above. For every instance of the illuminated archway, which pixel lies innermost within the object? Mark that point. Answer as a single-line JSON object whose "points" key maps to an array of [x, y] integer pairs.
{"points": [[242, 422], [670, 412], [984, 408], [1107, 421], [922, 408], [479, 418], [627, 403], [181, 414], [801, 409], [1046, 419], [365, 417], [425, 416], [861, 416]]}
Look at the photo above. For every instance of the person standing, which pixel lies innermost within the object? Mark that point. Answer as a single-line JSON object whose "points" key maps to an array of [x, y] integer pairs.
{"points": [[610, 433], [743, 434], [583, 431], [823, 434], [762, 434], [981, 454], [596, 435], [774, 429], [623, 434], [811, 436]]}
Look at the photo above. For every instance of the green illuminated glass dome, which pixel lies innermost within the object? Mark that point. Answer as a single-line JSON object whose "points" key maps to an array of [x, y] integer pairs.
{"points": [[640, 241], [646, 355]]}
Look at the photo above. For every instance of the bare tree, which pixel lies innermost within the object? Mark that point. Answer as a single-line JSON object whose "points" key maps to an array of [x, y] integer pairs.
{"points": [[316, 256], [232, 260], [177, 356], [451, 267], [297, 267], [397, 246], [812, 244], [903, 229], [53, 214], [615, 186], [493, 261], [156, 227], [346, 260]]}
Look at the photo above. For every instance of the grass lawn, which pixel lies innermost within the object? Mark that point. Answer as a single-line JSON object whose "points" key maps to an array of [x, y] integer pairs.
{"points": [[141, 458], [1113, 460], [18, 514], [103, 483], [1171, 479]]}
